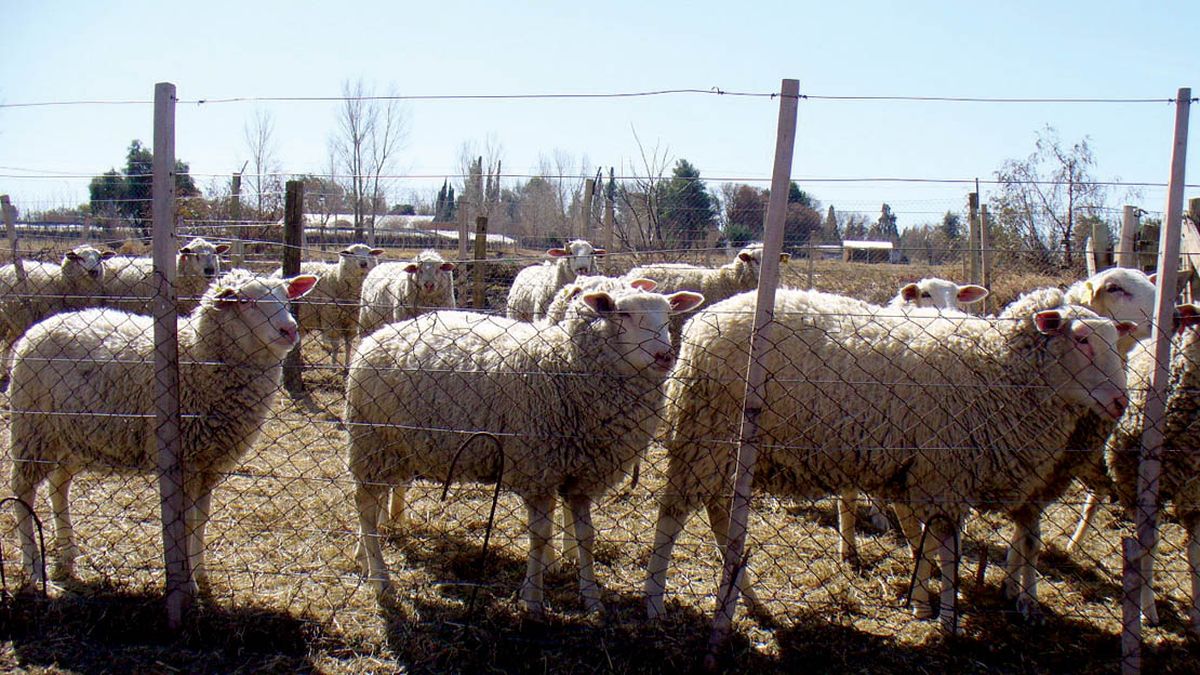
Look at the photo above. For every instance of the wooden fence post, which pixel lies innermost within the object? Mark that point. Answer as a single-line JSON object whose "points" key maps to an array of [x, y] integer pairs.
{"points": [[585, 216], [10, 226], [971, 264], [1126, 251], [462, 230], [293, 226], [609, 215], [1191, 249], [166, 360], [985, 254], [764, 314], [237, 246], [1149, 466], [481, 228]]}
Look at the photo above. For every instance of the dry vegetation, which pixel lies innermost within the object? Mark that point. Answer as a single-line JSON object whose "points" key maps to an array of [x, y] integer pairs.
{"points": [[287, 597]]}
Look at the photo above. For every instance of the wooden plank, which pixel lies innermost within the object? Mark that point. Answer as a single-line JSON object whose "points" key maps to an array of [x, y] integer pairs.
{"points": [[293, 236]]}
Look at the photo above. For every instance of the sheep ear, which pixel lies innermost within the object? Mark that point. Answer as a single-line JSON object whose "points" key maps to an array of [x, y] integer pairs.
{"points": [[222, 248], [1186, 316], [745, 257], [910, 292], [376, 251], [684, 301], [644, 284], [785, 258], [72, 255], [1126, 328], [1154, 278], [1050, 322], [412, 268], [108, 254], [447, 267], [971, 293], [226, 297], [557, 252], [600, 302], [345, 251], [599, 251], [186, 250], [299, 286]]}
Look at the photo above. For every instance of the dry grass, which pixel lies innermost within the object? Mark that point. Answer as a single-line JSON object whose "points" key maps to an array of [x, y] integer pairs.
{"points": [[287, 596]]}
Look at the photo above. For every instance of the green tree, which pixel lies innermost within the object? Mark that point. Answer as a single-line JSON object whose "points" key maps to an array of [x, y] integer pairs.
{"points": [[952, 226], [885, 228], [127, 194], [745, 213], [686, 207]]}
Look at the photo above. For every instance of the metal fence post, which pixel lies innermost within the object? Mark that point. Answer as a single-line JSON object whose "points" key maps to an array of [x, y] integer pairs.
{"points": [[166, 361], [293, 226], [764, 314]]}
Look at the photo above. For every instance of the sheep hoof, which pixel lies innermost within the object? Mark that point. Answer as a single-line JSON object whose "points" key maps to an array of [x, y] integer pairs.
{"points": [[1150, 616], [62, 571], [923, 610], [1031, 611]]}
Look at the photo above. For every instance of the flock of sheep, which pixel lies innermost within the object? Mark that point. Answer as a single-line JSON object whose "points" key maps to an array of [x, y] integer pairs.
{"points": [[930, 410]]}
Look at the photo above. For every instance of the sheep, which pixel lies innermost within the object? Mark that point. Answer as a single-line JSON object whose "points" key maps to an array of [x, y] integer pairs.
{"points": [[939, 293], [98, 364], [332, 308], [715, 284], [854, 398], [535, 286], [130, 283], [1180, 448], [39, 289], [397, 291], [571, 406]]}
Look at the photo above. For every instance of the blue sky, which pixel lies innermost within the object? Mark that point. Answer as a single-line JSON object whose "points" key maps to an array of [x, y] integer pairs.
{"points": [[113, 51]]}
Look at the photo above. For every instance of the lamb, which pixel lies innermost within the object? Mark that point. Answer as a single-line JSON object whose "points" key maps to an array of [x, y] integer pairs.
{"points": [[40, 289], [535, 286], [571, 405], [1180, 447], [99, 364], [130, 284], [332, 306], [846, 383], [398, 291], [939, 293]]}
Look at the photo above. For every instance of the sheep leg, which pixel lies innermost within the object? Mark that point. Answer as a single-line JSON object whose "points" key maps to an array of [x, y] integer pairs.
{"points": [[64, 533], [879, 519], [1021, 564], [397, 505], [25, 478], [570, 546], [847, 515], [947, 540], [197, 516], [540, 510], [673, 514], [1090, 507], [579, 508], [1149, 609], [922, 607], [718, 521], [368, 498]]}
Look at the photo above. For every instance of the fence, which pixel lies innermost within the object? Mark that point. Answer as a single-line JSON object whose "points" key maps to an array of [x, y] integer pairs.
{"points": [[470, 437]]}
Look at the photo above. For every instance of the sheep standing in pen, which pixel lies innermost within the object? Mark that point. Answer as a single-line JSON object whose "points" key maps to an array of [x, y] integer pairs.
{"points": [[855, 399], [130, 284], [715, 284], [402, 290], [534, 287], [333, 305], [38, 289], [98, 365], [572, 406], [1180, 479]]}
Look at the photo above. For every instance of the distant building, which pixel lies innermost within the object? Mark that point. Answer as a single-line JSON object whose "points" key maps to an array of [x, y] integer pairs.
{"points": [[869, 251]]}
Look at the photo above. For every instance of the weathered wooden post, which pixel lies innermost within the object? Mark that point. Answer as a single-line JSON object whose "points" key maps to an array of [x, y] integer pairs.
{"points": [[293, 225], [760, 340], [585, 216], [166, 361], [480, 297], [985, 254], [610, 208], [971, 264], [1149, 466], [1126, 247], [237, 246]]}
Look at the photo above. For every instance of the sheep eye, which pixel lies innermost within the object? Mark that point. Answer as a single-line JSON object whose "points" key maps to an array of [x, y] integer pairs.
{"points": [[1113, 288], [926, 295]]}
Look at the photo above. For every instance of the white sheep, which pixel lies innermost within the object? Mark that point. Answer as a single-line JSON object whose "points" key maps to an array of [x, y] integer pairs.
{"points": [[534, 286], [333, 305], [82, 398], [1180, 448], [938, 293], [130, 285], [858, 398], [571, 405], [39, 289], [402, 290]]}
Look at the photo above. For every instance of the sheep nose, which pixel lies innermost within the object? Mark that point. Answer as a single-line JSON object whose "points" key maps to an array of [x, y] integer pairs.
{"points": [[93, 273], [664, 360], [288, 332], [1120, 403]]}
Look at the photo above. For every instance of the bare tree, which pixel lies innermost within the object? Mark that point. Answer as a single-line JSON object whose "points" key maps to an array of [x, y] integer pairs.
{"points": [[1043, 196], [259, 134], [639, 224], [368, 134]]}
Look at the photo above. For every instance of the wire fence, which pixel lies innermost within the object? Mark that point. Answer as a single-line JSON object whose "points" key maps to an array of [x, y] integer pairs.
{"points": [[483, 459]]}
